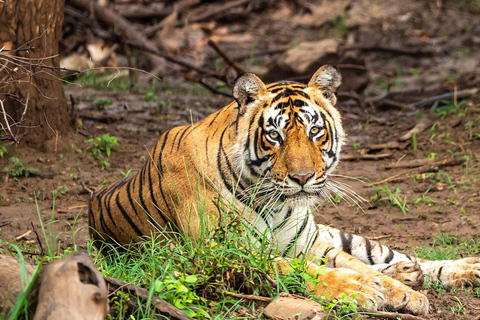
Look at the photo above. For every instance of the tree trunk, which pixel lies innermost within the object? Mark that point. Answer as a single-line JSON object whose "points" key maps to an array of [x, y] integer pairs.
{"points": [[33, 108]]}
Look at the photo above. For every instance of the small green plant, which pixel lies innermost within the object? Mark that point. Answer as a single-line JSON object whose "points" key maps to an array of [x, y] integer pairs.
{"points": [[100, 103], [414, 72], [458, 307], [337, 198], [150, 95], [180, 292], [395, 198], [342, 307], [471, 134], [431, 155], [424, 199], [18, 169], [414, 141], [450, 108], [102, 144], [356, 145], [125, 174], [3, 151], [63, 189]]}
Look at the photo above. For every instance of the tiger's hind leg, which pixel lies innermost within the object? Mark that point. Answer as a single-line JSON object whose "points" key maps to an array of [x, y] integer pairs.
{"points": [[453, 274]]}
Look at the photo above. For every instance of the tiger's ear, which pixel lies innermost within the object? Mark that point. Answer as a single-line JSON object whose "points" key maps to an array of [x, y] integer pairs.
{"points": [[247, 89], [327, 79]]}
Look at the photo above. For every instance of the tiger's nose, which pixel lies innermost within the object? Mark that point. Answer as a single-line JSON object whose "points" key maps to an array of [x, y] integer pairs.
{"points": [[301, 179]]}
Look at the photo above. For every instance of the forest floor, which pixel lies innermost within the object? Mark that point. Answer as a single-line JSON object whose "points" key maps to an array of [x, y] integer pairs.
{"points": [[428, 205]]}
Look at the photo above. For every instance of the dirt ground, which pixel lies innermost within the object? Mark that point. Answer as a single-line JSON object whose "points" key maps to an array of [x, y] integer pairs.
{"points": [[441, 200], [451, 196]]}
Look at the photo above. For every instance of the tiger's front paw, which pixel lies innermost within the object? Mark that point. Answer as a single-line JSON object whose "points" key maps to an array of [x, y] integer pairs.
{"points": [[408, 272], [454, 274], [372, 290]]}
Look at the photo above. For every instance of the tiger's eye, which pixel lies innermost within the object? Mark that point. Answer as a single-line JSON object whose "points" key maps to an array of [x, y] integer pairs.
{"points": [[314, 131], [273, 135]]}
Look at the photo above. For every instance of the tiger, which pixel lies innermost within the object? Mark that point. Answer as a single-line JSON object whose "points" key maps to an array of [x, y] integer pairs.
{"points": [[286, 138]]}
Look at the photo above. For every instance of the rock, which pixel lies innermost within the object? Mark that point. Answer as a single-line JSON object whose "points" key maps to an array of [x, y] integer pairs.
{"points": [[11, 281], [292, 307], [305, 59]]}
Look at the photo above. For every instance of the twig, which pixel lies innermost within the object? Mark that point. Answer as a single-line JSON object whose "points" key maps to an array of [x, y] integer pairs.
{"points": [[421, 126], [218, 10], [354, 157], [380, 237], [201, 82], [415, 163], [160, 305], [23, 252], [248, 296], [180, 6], [78, 207], [391, 49], [6, 122], [467, 93], [121, 25], [4, 224], [38, 239], [403, 175], [388, 145], [224, 56], [388, 315], [87, 189], [23, 235]]}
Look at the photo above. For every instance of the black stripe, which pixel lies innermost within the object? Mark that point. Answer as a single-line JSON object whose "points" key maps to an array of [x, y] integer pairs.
{"points": [[390, 256], [174, 139], [439, 272], [294, 240], [129, 196], [215, 117], [346, 242], [368, 247], [284, 220], [206, 147], [189, 129], [126, 216], [160, 169], [152, 196]]}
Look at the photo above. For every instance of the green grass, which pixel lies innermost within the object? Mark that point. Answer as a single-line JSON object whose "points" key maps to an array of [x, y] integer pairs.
{"points": [[18, 169], [382, 194], [449, 247], [196, 275], [100, 145], [106, 80]]}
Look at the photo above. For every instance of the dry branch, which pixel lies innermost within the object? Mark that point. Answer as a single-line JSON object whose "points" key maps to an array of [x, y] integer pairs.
{"points": [[415, 163], [421, 126], [388, 315], [358, 156], [249, 296], [426, 168], [180, 6], [393, 50], [219, 10], [121, 25], [160, 305], [467, 93], [225, 57]]}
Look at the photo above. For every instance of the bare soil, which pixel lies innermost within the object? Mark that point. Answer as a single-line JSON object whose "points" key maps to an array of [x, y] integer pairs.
{"points": [[451, 209]]}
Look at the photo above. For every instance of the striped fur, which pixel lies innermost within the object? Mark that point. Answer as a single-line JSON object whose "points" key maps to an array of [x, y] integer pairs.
{"points": [[280, 143]]}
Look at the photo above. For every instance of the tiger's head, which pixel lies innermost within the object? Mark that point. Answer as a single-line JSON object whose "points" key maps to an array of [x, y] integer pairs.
{"points": [[289, 134]]}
